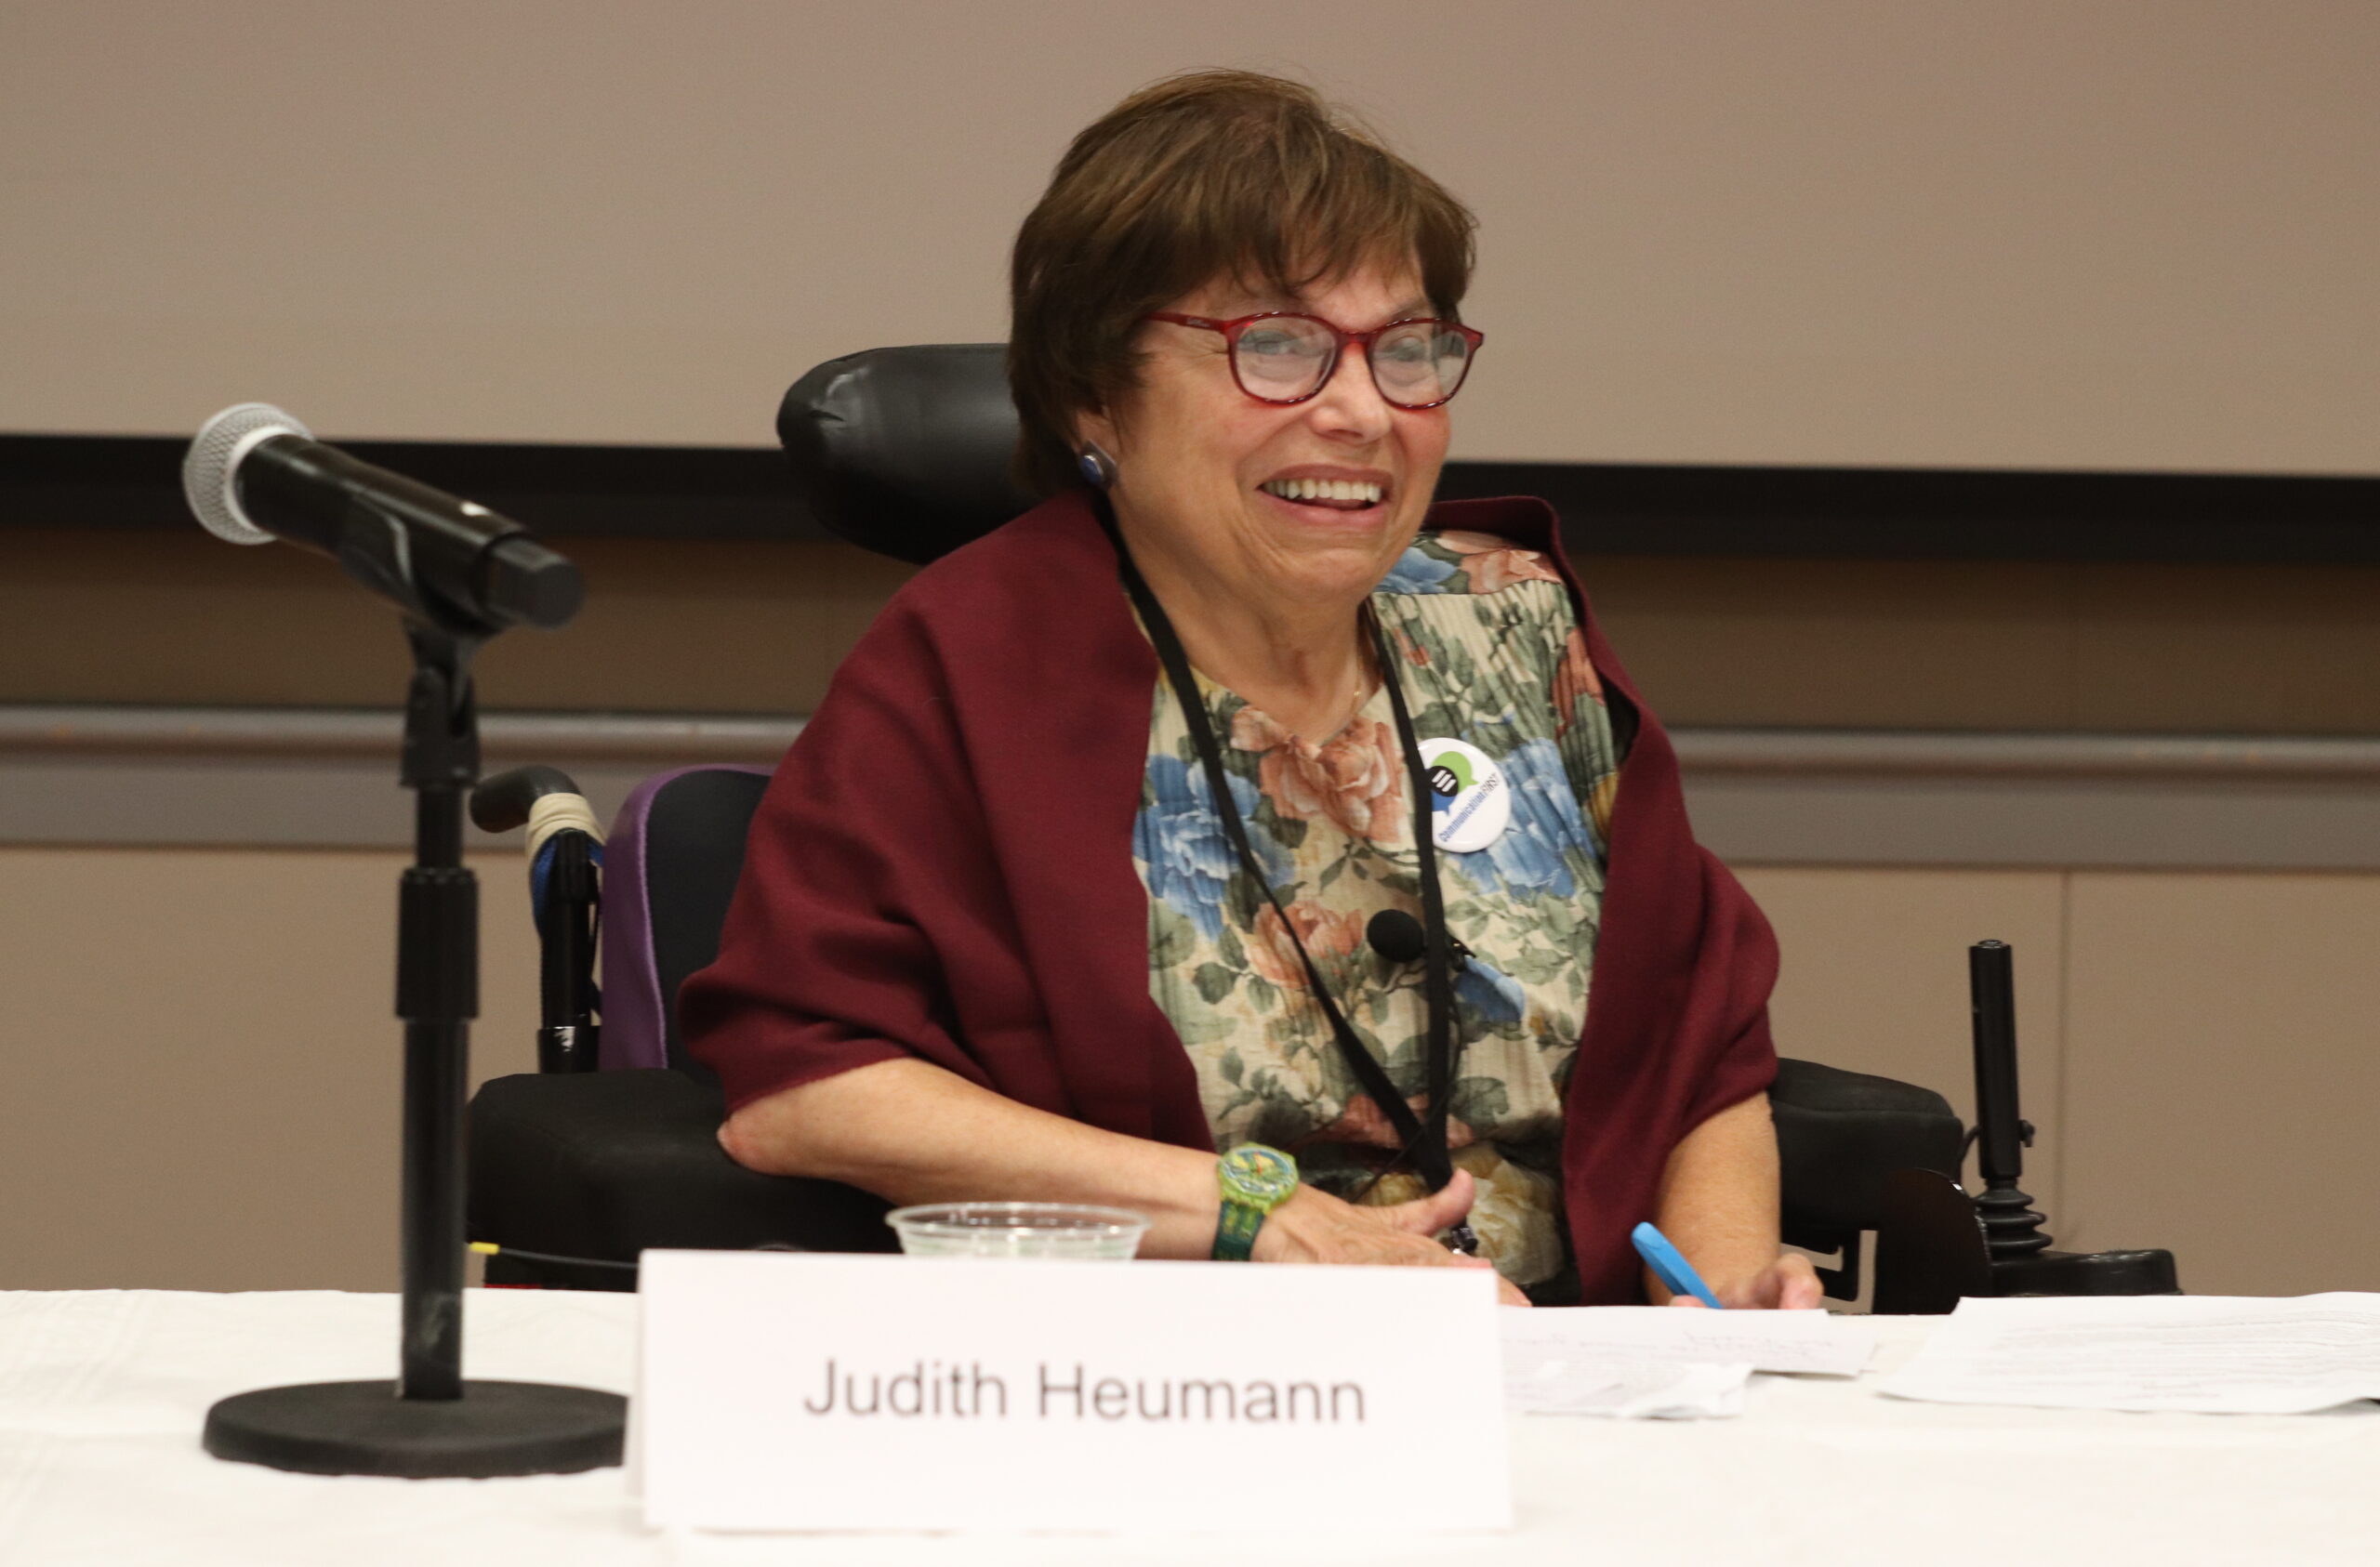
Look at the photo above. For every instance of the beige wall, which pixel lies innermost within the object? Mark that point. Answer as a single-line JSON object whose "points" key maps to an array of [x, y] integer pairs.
{"points": [[2085, 233], [202, 1063], [2199, 1051], [202, 1066], [179, 617]]}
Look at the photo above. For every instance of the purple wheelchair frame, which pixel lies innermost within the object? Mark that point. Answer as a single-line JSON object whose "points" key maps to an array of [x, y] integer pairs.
{"points": [[635, 1013]]}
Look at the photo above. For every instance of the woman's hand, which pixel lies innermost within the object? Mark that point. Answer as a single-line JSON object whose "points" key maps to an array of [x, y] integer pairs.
{"points": [[1789, 1284], [1316, 1226]]}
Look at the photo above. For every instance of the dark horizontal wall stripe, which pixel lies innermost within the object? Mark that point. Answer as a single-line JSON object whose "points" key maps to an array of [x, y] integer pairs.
{"points": [[603, 492], [1944, 514], [1610, 509]]}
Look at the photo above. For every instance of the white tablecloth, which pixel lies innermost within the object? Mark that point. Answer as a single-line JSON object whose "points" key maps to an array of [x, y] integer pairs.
{"points": [[103, 1392]]}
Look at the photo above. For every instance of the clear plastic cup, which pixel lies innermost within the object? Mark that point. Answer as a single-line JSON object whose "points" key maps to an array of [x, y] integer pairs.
{"points": [[1019, 1229]]}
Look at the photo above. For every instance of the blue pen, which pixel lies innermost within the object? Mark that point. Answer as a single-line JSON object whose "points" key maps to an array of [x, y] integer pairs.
{"points": [[1671, 1267]]}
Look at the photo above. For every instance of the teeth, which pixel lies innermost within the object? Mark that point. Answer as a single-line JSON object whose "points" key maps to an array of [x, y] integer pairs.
{"points": [[1324, 490]]}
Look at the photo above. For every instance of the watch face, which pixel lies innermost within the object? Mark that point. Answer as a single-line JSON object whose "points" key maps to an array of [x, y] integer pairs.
{"points": [[1259, 1175]]}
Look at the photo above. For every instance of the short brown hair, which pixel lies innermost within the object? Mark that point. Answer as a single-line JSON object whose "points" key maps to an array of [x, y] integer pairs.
{"points": [[1201, 176]]}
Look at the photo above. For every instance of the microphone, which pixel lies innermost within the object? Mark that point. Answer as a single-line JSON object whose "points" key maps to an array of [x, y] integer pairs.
{"points": [[1395, 935], [254, 474], [1400, 938]]}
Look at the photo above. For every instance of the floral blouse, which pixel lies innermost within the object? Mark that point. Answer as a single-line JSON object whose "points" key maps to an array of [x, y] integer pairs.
{"points": [[1488, 653]]}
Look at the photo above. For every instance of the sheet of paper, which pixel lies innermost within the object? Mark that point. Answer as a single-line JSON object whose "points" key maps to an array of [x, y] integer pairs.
{"points": [[1801, 1341], [2212, 1354], [1542, 1380]]}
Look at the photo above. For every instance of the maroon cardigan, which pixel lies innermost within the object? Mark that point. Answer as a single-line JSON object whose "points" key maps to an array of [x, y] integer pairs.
{"points": [[942, 869]]}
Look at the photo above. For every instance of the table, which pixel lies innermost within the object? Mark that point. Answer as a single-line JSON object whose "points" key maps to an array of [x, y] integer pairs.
{"points": [[102, 1394]]}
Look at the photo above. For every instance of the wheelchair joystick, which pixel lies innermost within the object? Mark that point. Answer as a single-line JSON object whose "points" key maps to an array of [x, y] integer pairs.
{"points": [[2011, 1228], [1937, 1243], [2021, 1261]]}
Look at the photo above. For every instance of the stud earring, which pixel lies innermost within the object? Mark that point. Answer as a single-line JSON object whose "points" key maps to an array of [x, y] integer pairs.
{"points": [[1097, 467]]}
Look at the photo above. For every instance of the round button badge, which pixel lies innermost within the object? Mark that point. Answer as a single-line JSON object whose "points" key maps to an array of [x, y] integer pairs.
{"points": [[1471, 804]]}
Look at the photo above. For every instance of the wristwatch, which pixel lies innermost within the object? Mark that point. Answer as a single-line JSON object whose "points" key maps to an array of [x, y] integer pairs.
{"points": [[1255, 1181]]}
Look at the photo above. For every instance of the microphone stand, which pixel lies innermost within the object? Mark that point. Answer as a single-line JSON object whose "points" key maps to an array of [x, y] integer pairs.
{"points": [[429, 1423]]}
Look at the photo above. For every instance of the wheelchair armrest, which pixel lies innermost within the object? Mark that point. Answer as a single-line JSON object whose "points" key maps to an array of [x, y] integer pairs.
{"points": [[607, 1164], [1840, 1134]]}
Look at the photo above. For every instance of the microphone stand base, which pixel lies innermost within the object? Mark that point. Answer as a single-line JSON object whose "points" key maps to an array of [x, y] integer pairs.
{"points": [[364, 1428]]}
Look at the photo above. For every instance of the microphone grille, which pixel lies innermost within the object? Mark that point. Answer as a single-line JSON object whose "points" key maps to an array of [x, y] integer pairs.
{"points": [[214, 459]]}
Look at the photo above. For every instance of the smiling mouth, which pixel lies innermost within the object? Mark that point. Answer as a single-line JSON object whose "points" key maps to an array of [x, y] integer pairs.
{"points": [[1331, 494]]}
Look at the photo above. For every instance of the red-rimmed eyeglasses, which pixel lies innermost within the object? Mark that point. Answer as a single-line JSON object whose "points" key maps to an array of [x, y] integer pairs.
{"points": [[1280, 356]]}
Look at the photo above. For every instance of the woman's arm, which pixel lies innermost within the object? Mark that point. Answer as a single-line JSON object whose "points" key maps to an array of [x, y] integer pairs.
{"points": [[1718, 1204], [911, 1132]]}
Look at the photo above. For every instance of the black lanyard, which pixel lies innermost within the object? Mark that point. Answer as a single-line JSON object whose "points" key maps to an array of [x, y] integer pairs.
{"points": [[1424, 1142]]}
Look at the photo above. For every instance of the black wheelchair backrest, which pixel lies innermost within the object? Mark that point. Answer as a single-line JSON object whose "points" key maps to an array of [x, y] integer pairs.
{"points": [[906, 451]]}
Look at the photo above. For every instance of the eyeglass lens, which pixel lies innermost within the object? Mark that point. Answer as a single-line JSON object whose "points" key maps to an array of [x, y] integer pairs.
{"points": [[1413, 364]]}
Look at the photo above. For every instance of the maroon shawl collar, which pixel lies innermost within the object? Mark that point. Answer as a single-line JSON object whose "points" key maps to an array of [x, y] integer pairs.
{"points": [[942, 869]]}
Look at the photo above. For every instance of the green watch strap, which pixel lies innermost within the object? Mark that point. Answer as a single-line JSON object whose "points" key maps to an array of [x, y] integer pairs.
{"points": [[1236, 1229], [1255, 1180]]}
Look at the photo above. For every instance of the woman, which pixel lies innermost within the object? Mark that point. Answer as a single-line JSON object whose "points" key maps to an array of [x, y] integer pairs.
{"points": [[1216, 804]]}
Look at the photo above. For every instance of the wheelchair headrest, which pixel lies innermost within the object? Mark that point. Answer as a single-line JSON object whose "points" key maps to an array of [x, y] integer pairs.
{"points": [[906, 451]]}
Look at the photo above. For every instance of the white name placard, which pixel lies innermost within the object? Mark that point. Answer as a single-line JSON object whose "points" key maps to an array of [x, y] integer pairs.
{"points": [[811, 1391]]}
